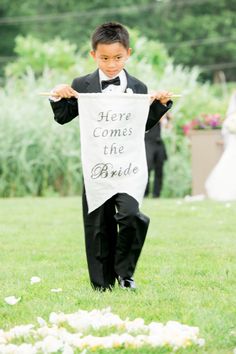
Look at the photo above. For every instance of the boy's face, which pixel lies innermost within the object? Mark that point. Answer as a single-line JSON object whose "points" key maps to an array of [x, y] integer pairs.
{"points": [[111, 58]]}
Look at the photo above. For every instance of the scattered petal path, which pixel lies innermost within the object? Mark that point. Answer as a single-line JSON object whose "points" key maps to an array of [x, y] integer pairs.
{"points": [[82, 331]]}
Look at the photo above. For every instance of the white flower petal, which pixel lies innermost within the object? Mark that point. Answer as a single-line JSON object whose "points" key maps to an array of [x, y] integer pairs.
{"points": [[57, 290], [12, 300], [26, 348], [35, 280], [20, 331], [50, 344], [67, 349], [41, 321]]}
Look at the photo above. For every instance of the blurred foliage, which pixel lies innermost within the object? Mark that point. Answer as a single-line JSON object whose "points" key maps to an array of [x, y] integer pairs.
{"points": [[37, 156], [177, 180], [37, 55], [148, 52], [199, 33], [196, 32]]}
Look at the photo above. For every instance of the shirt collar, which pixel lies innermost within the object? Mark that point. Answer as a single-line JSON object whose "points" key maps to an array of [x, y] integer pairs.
{"points": [[122, 76], [103, 76]]}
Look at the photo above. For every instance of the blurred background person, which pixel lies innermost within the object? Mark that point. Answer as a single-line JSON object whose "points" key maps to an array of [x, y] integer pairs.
{"points": [[221, 183], [156, 157]]}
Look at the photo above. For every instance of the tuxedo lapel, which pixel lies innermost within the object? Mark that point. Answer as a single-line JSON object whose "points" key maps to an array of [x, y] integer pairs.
{"points": [[131, 83], [93, 84]]}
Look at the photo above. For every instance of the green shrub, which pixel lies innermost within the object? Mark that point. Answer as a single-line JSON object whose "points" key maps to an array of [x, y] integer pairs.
{"points": [[37, 156], [177, 169], [33, 54]]}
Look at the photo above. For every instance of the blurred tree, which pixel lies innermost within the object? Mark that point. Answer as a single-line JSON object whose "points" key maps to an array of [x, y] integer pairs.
{"points": [[200, 32], [195, 32]]}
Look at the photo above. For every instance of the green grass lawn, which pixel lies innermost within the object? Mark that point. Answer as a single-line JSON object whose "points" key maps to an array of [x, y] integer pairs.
{"points": [[186, 273]]}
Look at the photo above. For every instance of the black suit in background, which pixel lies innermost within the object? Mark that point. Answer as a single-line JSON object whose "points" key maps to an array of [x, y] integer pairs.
{"points": [[114, 232], [156, 156]]}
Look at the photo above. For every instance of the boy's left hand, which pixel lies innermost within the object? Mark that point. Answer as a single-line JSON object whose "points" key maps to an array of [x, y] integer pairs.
{"points": [[162, 96]]}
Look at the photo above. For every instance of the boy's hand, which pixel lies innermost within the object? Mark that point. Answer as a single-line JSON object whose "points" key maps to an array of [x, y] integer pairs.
{"points": [[162, 96], [64, 91]]}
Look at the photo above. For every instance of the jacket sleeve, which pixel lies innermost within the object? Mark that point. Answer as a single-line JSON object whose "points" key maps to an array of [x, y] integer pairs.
{"points": [[66, 109], [156, 111]]}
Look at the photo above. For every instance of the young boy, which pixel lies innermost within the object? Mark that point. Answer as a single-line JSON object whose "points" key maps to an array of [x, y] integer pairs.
{"points": [[114, 232]]}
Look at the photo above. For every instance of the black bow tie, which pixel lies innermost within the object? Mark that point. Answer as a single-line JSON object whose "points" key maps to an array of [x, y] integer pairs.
{"points": [[115, 81]]}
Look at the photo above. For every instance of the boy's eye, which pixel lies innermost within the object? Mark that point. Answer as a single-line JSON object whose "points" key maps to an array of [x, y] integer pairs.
{"points": [[118, 58]]}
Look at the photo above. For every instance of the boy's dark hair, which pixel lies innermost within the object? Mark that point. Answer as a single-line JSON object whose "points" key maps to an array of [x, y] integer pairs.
{"points": [[111, 32]]}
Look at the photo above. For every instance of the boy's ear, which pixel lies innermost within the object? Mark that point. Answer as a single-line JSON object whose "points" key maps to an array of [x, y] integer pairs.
{"points": [[129, 51], [92, 53]]}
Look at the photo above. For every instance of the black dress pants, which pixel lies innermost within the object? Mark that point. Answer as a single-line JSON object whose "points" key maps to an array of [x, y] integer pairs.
{"points": [[157, 181], [114, 236], [156, 157]]}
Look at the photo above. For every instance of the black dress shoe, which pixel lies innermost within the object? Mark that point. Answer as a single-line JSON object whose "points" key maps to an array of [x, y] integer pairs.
{"points": [[102, 289], [126, 283]]}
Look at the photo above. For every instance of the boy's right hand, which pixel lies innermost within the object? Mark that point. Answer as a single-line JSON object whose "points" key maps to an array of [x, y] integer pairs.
{"points": [[64, 91]]}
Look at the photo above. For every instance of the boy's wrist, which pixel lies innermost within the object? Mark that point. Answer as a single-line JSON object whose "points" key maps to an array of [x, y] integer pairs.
{"points": [[53, 98]]}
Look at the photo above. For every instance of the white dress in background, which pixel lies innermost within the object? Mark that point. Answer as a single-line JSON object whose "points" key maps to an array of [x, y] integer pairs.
{"points": [[221, 183]]}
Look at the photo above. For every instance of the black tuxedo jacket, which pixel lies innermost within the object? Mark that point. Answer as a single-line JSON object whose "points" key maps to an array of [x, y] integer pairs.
{"points": [[67, 109]]}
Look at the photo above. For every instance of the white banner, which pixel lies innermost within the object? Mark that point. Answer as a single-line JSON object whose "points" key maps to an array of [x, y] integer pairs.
{"points": [[112, 128]]}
